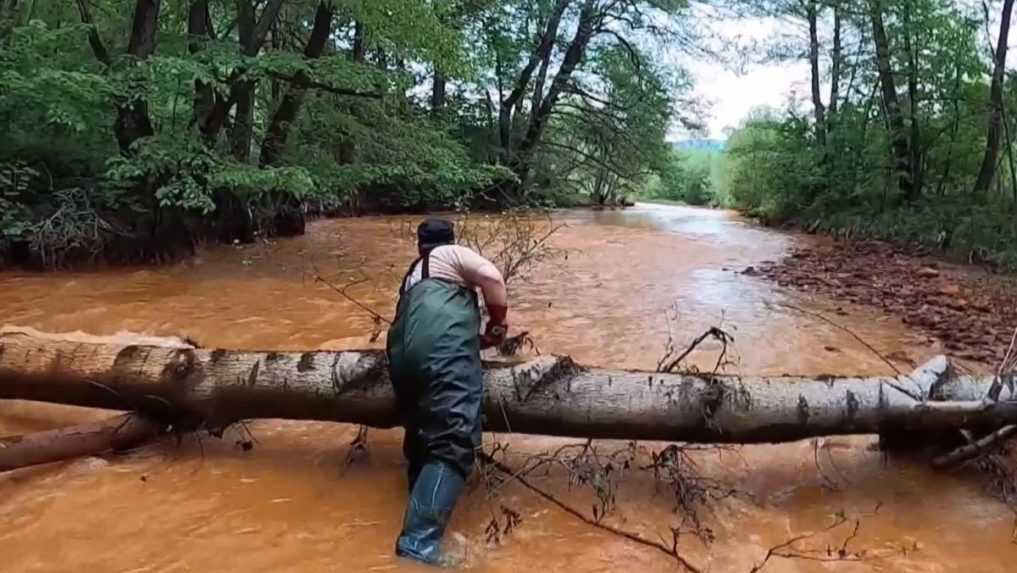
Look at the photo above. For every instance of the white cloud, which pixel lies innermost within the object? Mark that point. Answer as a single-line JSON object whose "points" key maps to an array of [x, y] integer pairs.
{"points": [[731, 94]]}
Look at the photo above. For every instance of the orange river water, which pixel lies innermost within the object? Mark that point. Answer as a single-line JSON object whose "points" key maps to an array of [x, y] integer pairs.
{"points": [[604, 297]]}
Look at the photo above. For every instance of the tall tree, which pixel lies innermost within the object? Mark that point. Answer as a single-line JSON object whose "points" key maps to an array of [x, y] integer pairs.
{"points": [[132, 122], [899, 138], [542, 52], [812, 15], [994, 131], [285, 114], [836, 57], [199, 32]]}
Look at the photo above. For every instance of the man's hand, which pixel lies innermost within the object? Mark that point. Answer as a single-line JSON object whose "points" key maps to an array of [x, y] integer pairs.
{"points": [[496, 329]]}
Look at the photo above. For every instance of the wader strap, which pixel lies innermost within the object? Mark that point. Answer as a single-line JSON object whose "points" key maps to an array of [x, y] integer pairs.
{"points": [[406, 277], [425, 271]]}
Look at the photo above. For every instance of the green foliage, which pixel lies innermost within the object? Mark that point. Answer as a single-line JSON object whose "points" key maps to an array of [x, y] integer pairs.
{"points": [[777, 169], [111, 152], [686, 178]]}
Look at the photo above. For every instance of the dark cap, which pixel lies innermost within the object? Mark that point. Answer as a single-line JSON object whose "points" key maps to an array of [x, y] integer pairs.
{"points": [[434, 233]]}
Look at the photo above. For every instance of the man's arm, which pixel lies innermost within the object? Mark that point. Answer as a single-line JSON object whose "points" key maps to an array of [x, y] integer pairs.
{"points": [[480, 272]]}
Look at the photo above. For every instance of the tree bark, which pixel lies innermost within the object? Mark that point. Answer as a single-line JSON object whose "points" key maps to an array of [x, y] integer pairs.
{"points": [[132, 121], [252, 36], [359, 42], [286, 113], [98, 48], [548, 396], [895, 120], [588, 20], [817, 99], [199, 31], [910, 48], [541, 54], [988, 169], [438, 89], [118, 433], [835, 66]]}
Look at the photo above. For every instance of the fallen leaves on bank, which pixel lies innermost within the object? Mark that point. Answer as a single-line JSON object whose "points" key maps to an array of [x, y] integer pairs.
{"points": [[971, 312]]}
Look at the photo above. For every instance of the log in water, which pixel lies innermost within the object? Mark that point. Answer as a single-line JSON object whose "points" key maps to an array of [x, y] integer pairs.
{"points": [[549, 395]]}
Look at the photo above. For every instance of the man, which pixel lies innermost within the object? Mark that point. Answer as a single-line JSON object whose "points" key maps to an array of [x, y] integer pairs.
{"points": [[434, 363]]}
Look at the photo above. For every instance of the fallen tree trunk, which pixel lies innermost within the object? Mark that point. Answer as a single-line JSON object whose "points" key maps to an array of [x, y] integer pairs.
{"points": [[118, 433], [170, 380]]}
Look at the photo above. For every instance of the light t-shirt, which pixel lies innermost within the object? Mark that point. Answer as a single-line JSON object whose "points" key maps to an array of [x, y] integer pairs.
{"points": [[453, 263]]}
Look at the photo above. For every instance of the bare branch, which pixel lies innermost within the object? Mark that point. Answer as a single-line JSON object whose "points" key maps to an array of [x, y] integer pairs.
{"points": [[599, 524]]}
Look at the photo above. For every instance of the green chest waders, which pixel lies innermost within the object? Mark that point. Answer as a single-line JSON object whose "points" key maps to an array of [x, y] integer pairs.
{"points": [[434, 363]]}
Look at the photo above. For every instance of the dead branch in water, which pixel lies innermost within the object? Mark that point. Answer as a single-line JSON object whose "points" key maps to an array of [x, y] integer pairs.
{"points": [[691, 490], [671, 360], [975, 448], [787, 549], [358, 447], [672, 551], [992, 442], [342, 291]]}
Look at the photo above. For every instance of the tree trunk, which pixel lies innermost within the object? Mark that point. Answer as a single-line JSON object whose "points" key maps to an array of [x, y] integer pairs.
{"points": [[359, 42], [538, 85], [286, 113], [240, 135], [98, 48], [438, 86], [132, 121], [541, 54], [199, 31], [119, 433], [588, 17], [817, 98], [988, 170], [895, 121], [252, 36], [911, 49], [242, 90], [548, 396], [835, 66]]}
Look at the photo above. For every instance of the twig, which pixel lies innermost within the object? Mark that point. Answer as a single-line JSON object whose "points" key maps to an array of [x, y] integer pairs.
{"points": [[975, 448], [786, 550], [671, 551], [357, 447], [342, 292], [712, 332], [827, 481], [845, 329]]}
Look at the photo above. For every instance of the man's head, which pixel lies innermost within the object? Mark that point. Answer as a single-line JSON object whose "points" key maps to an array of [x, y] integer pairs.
{"points": [[434, 233]]}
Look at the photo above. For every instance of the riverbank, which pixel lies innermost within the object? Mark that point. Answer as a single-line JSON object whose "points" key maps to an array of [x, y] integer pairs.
{"points": [[971, 310]]}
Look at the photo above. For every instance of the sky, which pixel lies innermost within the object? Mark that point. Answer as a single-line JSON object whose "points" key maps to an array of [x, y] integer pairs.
{"points": [[729, 94]]}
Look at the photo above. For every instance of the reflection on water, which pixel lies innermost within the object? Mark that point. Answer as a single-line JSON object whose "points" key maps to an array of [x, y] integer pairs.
{"points": [[290, 504]]}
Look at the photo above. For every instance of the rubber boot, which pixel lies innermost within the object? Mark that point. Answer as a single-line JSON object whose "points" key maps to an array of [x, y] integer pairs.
{"points": [[430, 506]]}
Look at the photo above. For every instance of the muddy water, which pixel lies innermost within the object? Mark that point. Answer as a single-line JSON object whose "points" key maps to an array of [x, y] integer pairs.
{"points": [[291, 504]]}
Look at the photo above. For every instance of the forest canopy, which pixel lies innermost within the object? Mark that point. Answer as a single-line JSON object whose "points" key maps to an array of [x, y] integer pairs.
{"points": [[135, 128]]}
